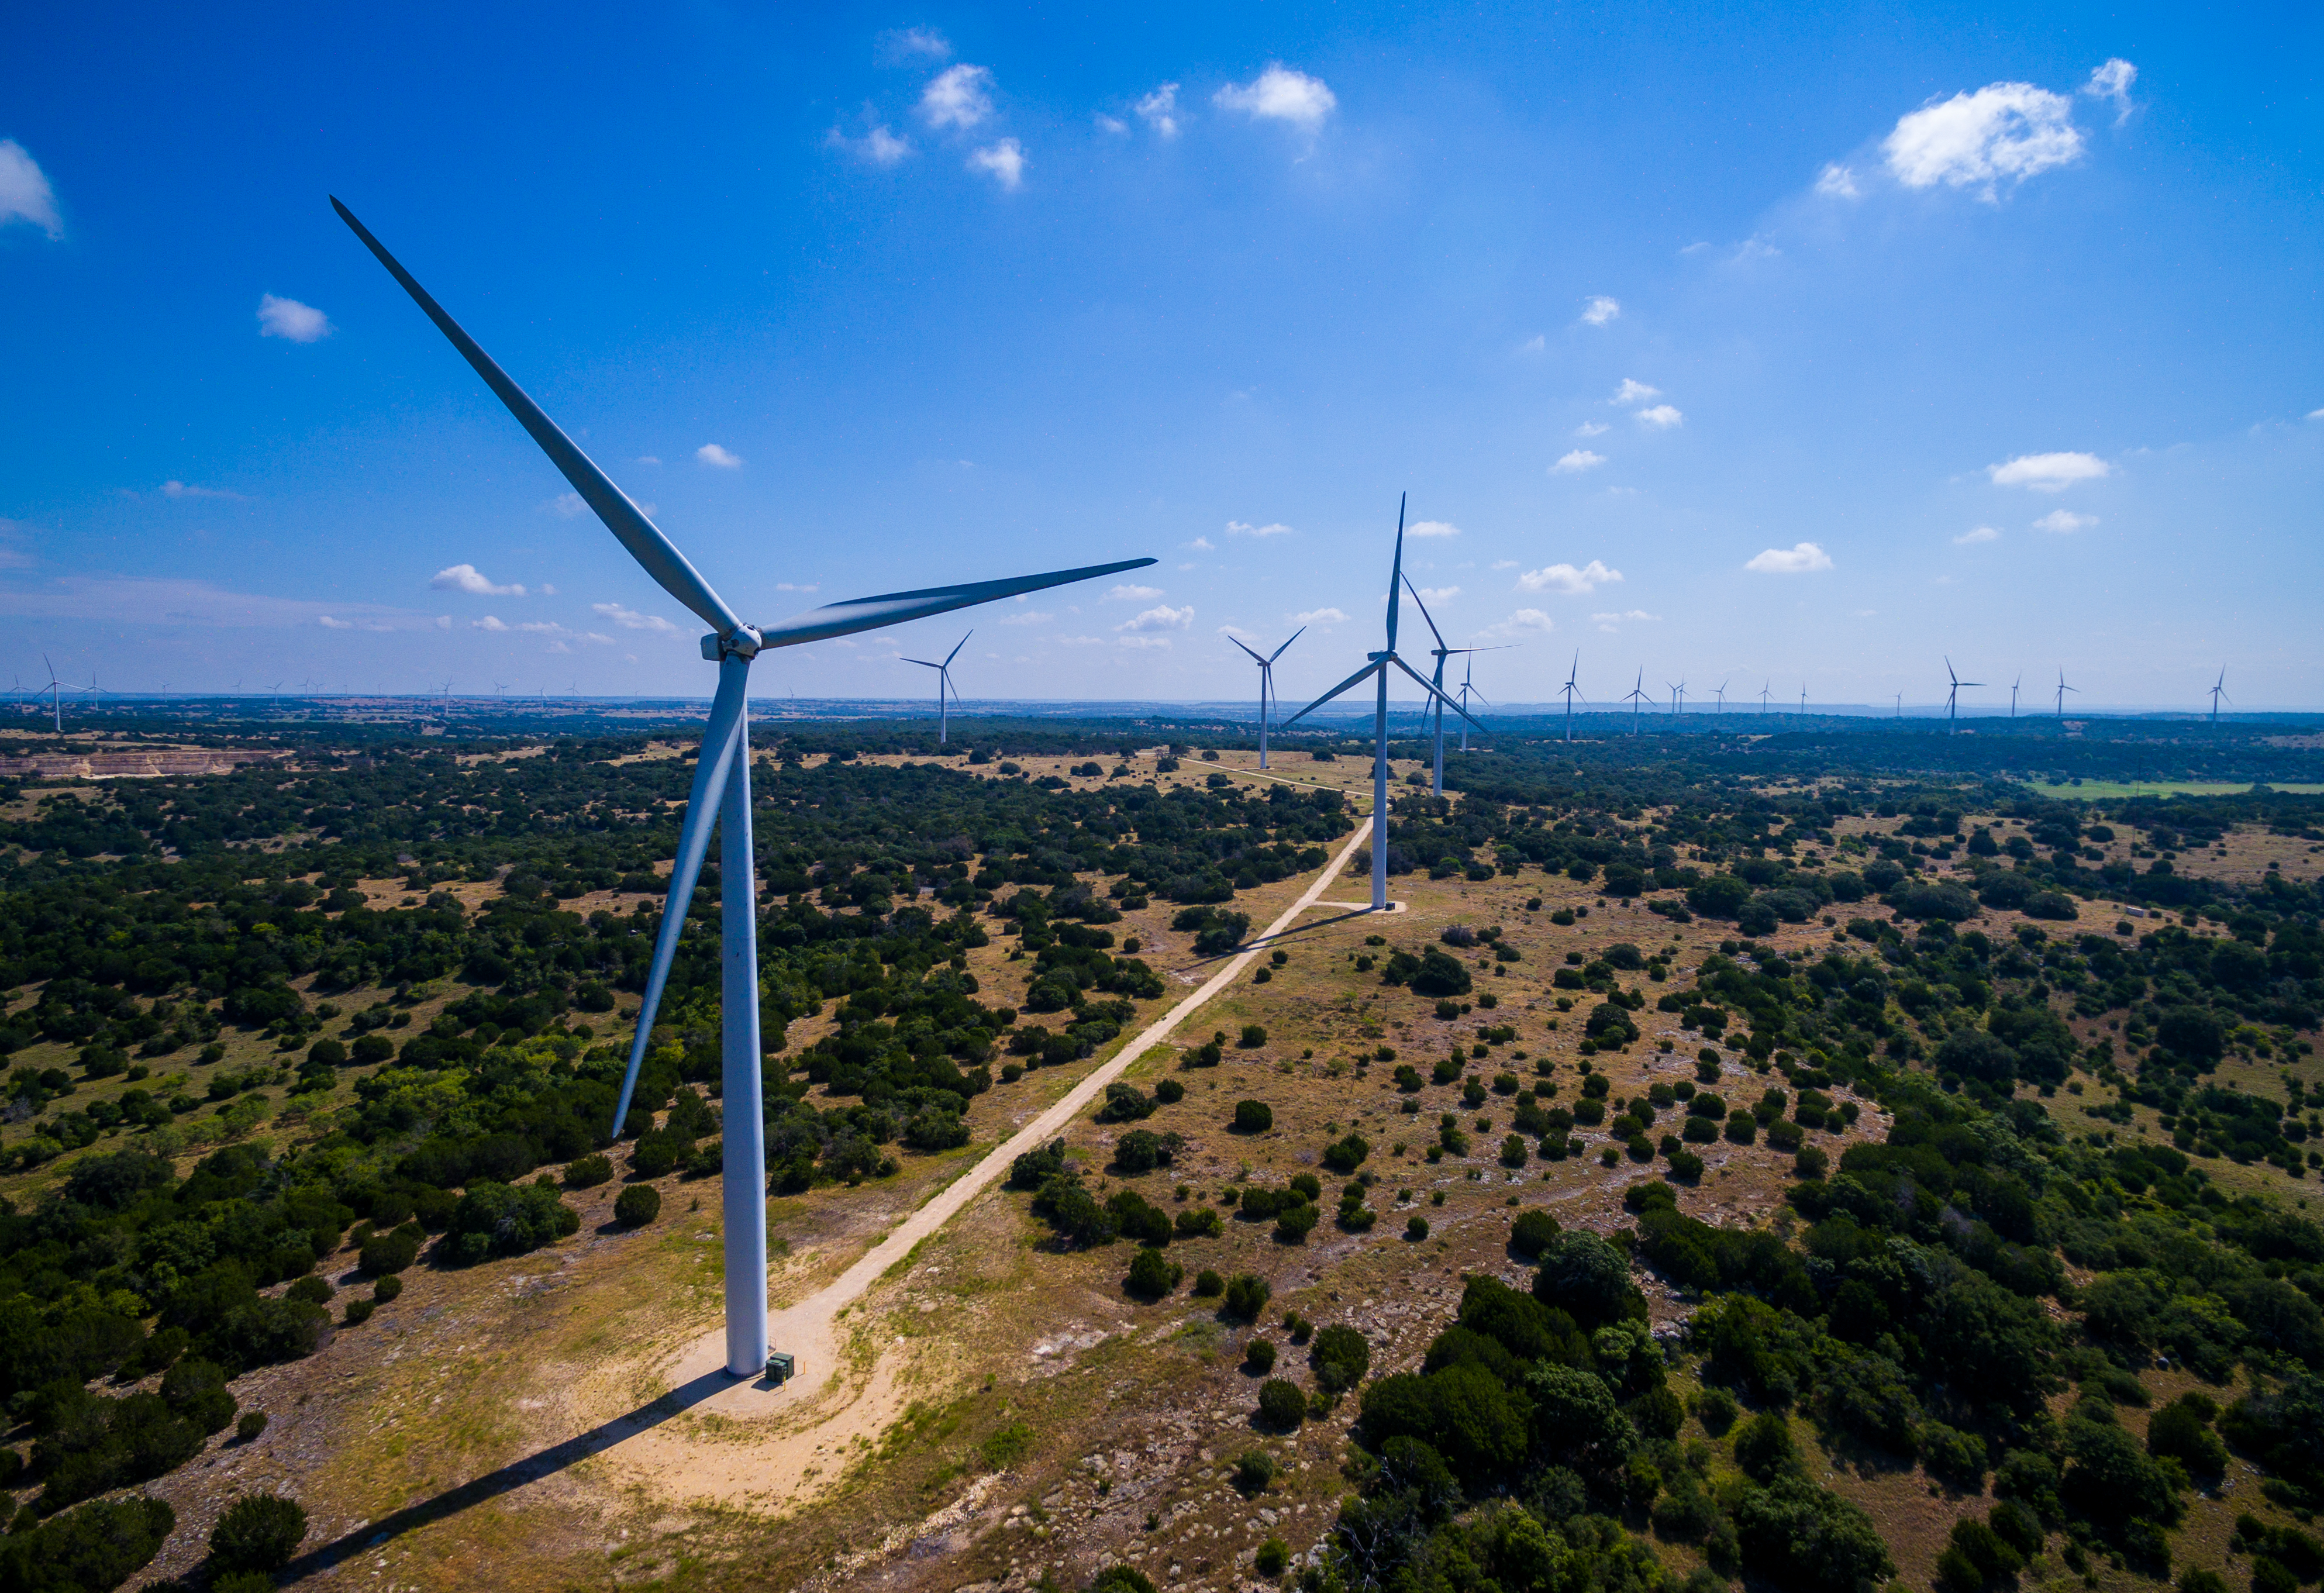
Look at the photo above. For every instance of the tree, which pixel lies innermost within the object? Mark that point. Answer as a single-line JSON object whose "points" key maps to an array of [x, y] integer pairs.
{"points": [[1253, 1117], [258, 1532], [1281, 1404], [1532, 1232], [1152, 1274], [637, 1205], [1586, 1277], [97, 1546], [1805, 1537], [1440, 974], [1341, 1357], [1764, 1447], [1247, 1294], [1576, 1421]]}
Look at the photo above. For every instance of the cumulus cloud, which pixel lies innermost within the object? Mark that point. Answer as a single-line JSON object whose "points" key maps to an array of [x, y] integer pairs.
{"points": [[811, 586], [1662, 417], [1320, 617], [1600, 310], [1535, 344], [712, 453], [489, 622], [1113, 124], [1161, 617], [177, 489], [2064, 522], [2048, 473], [1029, 617], [1237, 528], [1145, 640], [1634, 392], [1613, 621], [898, 44], [1160, 111], [468, 578], [1438, 593], [1524, 623], [1202, 545], [958, 97], [329, 623], [647, 459], [629, 619], [1081, 642], [1004, 162], [2112, 81], [1592, 429], [291, 320], [1981, 534], [2003, 132], [879, 146], [1798, 559], [1566, 579], [1280, 94], [1504, 564], [1575, 462], [1836, 181], [1127, 594], [24, 191], [1432, 528]]}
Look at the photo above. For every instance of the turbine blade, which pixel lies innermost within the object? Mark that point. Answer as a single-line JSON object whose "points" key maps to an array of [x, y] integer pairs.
{"points": [[923, 663], [955, 648], [1395, 573], [712, 769], [652, 550], [1286, 648], [1425, 615], [1351, 680], [1433, 692], [1255, 658], [893, 608]]}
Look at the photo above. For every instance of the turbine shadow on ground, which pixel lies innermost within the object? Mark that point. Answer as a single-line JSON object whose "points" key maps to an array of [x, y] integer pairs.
{"points": [[513, 1476]]}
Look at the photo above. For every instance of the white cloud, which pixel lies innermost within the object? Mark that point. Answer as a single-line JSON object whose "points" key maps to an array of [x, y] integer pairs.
{"points": [[1236, 528], [1432, 528], [2064, 522], [1113, 124], [879, 146], [810, 587], [489, 622], [177, 489], [629, 619], [1004, 162], [1029, 617], [1524, 623], [1592, 429], [1608, 622], [1600, 310], [1564, 578], [568, 506], [290, 319], [1081, 642], [1145, 640], [1160, 111], [1796, 560], [712, 453], [1133, 594], [902, 43], [1161, 617], [329, 623], [1202, 545], [1981, 534], [958, 97], [1279, 94], [1320, 617], [1836, 181], [24, 191], [1537, 343], [647, 459], [1634, 392], [166, 601], [1662, 417], [1576, 462], [468, 578], [2048, 473], [1504, 564], [443, 622], [2003, 130], [1438, 593], [2112, 81], [2316, 414]]}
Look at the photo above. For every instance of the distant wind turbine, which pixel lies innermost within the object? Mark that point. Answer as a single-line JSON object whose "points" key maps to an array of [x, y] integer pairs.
{"points": [[1678, 697], [1569, 688], [1803, 699], [1440, 652], [2063, 689], [1468, 689], [1378, 665], [1637, 696], [1720, 692], [2012, 693], [1266, 684], [944, 684], [55, 689], [2218, 691], [1952, 697], [1764, 694], [721, 796]]}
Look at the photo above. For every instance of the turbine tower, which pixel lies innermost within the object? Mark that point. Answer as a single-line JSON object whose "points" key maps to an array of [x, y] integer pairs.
{"points": [[2063, 688], [1953, 696], [1569, 688], [943, 683], [1803, 699], [1764, 694], [1378, 665], [2217, 691], [55, 689], [721, 796], [2012, 693], [1266, 684], [1637, 696], [1720, 692], [1678, 698], [1440, 652], [1468, 689]]}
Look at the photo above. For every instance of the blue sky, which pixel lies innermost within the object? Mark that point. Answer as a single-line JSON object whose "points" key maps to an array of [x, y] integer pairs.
{"points": [[1803, 344]]}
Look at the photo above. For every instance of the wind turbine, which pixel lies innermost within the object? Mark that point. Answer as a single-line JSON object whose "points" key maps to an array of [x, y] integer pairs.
{"points": [[944, 682], [1637, 695], [1803, 699], [1763, 697], [2218, 691], [1377, 664], [1266, 684], [1569, 688], [1678, 697], [1953, 696], [55, 689], [2063, 688], [2012, 693], [1900, 704], [1440, 652], [1468, 689], [1720, 691], [721, 796]]}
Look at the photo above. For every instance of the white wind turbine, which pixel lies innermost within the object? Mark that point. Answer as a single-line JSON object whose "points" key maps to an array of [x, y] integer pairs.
{"points": [[721, 796], [2063, 689], [943, 683], [1378, 665], [1569, 688], [1266, 684], [1435, 704], [1952, 697]]}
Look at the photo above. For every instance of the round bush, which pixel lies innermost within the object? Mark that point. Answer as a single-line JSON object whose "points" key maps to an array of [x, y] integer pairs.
{"points": [[1254, 1035], [1209, 1284], [359, 1312], [1152, 1274], [589, 1173], [251, 1424], [1170, 1091], [1259, 1355], [1253, 1117], [1273, 1556], [1247, 1295], [1416, 1226], [1293, 1224], [1281, 1404], [637, 1205], [1342, 1356], [1532, 1232], [386, 1289], [258, 1532], [1254, 1471]]}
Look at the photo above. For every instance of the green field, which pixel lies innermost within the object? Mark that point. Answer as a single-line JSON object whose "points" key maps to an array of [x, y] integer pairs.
{"points": [[2120, 789]]}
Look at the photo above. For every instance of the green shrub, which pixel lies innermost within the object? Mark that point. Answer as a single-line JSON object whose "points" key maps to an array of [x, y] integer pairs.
{"points": [[1253, 1117], [1415, 1228], [1764, 1447], [386, 1289], [359, 1312], [251, 1424], [589, 1173], [637, 1205], [1281, 1404], [1247, 1295], [258, 1532], [1254, 1470], [1341, 1357], [1259, 1355], [1005, 1448], [1254, 1035], [1294, 1223], [1716, 1409], [1126, 1578], [1273, 1556], [1152, 1274], [97, 1546]]}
